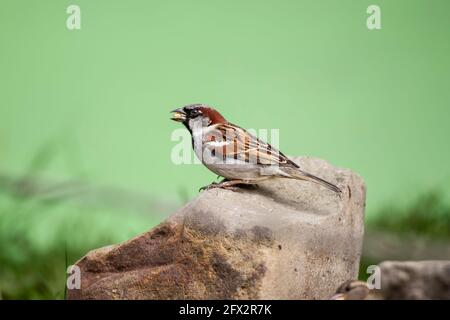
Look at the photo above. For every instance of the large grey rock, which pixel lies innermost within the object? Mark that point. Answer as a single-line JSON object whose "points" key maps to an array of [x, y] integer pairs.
{"points": [[415, 280], [286, 239]]}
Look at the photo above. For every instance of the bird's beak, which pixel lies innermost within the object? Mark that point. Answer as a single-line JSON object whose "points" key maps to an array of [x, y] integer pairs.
{"points": [[339, 296], [178, 115]]}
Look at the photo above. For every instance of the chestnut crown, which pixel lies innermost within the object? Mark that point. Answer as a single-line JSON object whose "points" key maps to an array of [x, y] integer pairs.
{"points": [[193, 111]]}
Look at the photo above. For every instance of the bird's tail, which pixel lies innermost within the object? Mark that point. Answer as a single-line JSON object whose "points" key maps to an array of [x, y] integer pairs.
{"points": [[302, 175]]}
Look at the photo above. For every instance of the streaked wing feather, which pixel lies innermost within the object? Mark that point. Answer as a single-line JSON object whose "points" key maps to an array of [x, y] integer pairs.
{"points": [[246, 147]]}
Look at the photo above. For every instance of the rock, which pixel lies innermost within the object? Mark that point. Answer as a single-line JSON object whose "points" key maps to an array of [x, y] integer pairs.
{"points": [[416, 280], [286, 239]]}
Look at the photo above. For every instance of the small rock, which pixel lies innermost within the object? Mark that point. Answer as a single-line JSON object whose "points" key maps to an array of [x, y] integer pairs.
{"points": [[415, 280]]}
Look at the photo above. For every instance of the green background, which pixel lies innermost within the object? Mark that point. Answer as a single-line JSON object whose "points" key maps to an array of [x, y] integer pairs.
{"points": [[99, 98]]}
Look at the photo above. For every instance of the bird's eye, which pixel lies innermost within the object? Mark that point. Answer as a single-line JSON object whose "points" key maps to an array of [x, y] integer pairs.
{"points": [[195, 113]]}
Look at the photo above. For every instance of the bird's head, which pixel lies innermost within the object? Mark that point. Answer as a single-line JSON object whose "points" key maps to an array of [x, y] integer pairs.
{"points": [[199, 115], [352, 290]]}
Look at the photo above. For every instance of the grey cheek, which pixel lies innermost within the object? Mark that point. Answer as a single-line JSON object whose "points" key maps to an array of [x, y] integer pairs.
{"points": [[195, 123], [206, 121], [192, 123]]}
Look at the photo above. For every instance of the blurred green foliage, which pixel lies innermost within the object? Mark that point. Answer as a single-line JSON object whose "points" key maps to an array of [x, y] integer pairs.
{"points": [[35, 238], [427, 215]]}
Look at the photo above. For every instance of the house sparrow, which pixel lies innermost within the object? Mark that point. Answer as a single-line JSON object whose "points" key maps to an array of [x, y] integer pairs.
{"points": [[233, 153], [352, 290]]}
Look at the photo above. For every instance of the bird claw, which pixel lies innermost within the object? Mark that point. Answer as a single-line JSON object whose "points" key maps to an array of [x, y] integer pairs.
{"points": [[216, 185], [231, 188], [209, 186]]}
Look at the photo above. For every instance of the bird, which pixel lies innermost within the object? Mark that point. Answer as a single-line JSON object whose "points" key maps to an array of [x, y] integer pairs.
{"points": [[352, 290], [234, 154]]}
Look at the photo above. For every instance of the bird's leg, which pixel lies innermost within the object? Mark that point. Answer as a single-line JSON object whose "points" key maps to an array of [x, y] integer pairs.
{"points": [[213, 184], [227, 184]]}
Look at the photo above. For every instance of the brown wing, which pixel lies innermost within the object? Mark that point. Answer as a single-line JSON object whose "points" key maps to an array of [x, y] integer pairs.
{"points": [[241, 145]]}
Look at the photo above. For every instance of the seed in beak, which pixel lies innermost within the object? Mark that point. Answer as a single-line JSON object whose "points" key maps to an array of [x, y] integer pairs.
{"points": [[178, 115]]}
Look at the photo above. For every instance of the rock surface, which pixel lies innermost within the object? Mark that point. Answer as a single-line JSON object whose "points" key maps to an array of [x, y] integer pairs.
{"points": [[416, 280], [286, 239]]}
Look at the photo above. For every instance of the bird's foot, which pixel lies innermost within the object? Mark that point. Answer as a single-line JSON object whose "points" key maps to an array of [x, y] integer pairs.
{"points": [[209, 186], [225, 184]]}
